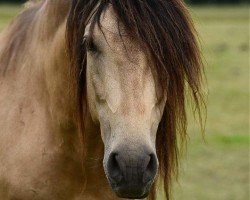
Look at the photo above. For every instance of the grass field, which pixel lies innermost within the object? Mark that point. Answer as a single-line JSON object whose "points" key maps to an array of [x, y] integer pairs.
{"points": [[217, 169]]}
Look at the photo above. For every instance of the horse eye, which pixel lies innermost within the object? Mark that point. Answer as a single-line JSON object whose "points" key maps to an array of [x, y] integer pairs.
{"points": [[91, 46]]}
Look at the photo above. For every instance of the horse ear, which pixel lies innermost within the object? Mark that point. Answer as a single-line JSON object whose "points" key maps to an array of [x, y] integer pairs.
{"points": [[58, 3], [57, 8], [56, 12]]}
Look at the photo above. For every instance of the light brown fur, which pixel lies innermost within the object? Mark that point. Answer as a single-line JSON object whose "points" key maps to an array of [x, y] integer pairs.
{"points": [[39, 148], [40, 153]]}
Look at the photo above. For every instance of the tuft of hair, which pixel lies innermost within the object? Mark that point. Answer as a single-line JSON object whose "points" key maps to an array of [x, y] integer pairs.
{"points": [[166, 28]]}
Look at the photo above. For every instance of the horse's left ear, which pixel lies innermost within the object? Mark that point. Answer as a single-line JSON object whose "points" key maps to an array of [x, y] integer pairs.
{"points": [[59, 8]]}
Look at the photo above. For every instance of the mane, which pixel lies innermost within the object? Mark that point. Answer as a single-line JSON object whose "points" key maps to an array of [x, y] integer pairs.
{"points": [[166, 29]]}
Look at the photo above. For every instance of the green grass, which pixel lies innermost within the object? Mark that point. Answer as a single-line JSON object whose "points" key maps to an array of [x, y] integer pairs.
{"points": [[217, 169]]}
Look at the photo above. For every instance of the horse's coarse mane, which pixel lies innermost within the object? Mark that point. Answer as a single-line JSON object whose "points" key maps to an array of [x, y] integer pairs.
{"points": [[166, 29]]}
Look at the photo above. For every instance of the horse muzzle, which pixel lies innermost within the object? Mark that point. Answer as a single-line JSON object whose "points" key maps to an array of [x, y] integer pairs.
{"points": [[131, 173]]}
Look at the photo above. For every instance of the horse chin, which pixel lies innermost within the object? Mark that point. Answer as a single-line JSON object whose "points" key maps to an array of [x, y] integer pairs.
{"points": [[121, 193], [132, 197], [131, 192]]}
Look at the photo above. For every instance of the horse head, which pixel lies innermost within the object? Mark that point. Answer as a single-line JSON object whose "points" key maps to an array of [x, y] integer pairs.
{"points": [[132, 60]]}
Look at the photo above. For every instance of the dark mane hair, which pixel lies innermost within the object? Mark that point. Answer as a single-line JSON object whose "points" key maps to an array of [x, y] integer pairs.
{"points": [[166, 29]]}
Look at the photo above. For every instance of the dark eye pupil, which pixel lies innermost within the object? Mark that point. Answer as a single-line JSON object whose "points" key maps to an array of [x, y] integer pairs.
{"points": [[91, 46]]}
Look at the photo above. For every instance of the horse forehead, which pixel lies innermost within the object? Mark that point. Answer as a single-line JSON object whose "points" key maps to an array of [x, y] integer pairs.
{"points": [[109, 22], [129, 57], [115, 32]]}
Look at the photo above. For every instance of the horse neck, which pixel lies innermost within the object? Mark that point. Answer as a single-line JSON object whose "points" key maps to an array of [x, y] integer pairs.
{"points": [[43, 69], [50, 31], [60, 81], [43, 72]]}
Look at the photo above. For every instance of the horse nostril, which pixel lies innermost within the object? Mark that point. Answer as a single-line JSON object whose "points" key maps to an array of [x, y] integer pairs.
{"points": [[131, 170], [114, 169], [151, 169], [152, 165]]}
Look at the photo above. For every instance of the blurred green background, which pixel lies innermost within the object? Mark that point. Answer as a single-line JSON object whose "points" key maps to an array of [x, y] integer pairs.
{"points": [[217, 168]]}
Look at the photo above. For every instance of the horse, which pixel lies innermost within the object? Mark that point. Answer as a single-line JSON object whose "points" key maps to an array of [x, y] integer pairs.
{"points": [[92, 98]]}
